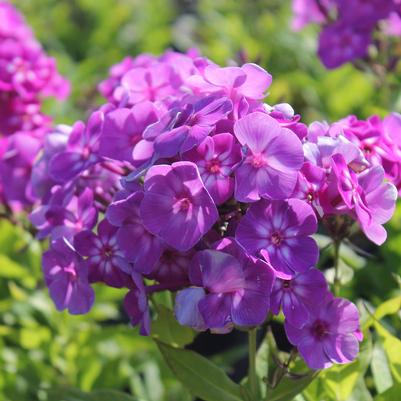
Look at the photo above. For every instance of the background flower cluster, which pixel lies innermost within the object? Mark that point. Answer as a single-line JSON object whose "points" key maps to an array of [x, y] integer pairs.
{"points": [[348, 27], [27, 75]]}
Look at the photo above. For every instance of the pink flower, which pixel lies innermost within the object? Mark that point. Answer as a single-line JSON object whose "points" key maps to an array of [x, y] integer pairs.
{"points": [[216, 157], [272, 159], [176, 206]]}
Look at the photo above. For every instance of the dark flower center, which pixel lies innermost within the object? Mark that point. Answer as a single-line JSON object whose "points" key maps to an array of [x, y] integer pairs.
{"points": [[286, 284], [185, 204], [213, 166], [107, 252], [320, 329], [193, 120], [276, 239], [367, 149], [258, 161], [168, 257]]}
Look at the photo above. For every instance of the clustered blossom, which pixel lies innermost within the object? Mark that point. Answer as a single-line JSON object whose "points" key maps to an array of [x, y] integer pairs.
{"points": [[186, 181], [27, 75], [348, 26]]}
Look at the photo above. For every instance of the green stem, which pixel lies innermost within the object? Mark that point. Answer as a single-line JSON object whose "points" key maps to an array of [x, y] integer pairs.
{"points": [[253, 382], [336, 281]]}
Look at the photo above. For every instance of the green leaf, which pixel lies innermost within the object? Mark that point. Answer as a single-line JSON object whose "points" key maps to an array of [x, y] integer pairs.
{"points": [[392, 394], [389, 307], [69, 394], [392, 347], [360, 392], [288, 387], [167, 330], [10, 269], [202, 378], [262, 360], [380, 369]]}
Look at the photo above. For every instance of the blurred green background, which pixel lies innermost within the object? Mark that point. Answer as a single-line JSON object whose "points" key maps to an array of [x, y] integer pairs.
{"points": [[41, 348]]}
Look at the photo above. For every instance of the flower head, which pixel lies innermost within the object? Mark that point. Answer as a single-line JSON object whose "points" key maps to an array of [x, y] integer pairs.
{"points": [[299, 296], [216, 158], [279, 231], [234, 291], [66, 275], [104, 258], [176, 206], [331, 335], [272, 159]]}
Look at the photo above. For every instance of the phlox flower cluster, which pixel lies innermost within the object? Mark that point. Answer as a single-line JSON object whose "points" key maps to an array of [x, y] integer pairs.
{"points": [[349, 27], [186, 181], [27, 75]]}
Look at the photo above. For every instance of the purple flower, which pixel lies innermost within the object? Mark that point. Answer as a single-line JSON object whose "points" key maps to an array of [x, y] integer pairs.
{"points": [[176, 206], [138, 245], [368, 195], [216, 157], [152, 83], [65, 215], [235, 291], [393, 25], [54, 142], [298, 296], [184, 128], [172, 267], [81, 150], [319, 151], [308, 11], [272, 160], [311, 181], [123, 129], [283, 113], [364, 14], [280, 232], [108, 87], [330, 336], [249, 81], [391, 128], [136, 305], [186, 308], [66, 275], [16, 167], [340, 43], [105, 260]]}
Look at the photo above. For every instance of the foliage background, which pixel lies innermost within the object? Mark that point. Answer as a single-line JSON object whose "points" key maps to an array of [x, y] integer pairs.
{"points": [[41, 348]]}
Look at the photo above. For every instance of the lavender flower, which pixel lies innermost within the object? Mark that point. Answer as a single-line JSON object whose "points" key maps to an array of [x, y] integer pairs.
{"points": [[299, 296], [330, 336], [104, 258], [272, 159], [280, 232], [176, 206], [66, 275]]}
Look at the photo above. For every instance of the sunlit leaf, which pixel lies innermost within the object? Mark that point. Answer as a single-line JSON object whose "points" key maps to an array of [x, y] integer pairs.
{"points": [[380, 369], [202, 378], [392, 347], [166, 329], [392, 394]]}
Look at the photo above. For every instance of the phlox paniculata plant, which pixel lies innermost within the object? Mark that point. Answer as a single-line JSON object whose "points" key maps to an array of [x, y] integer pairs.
{"points": [[27, 76], [350, 27], [186, 181]]}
